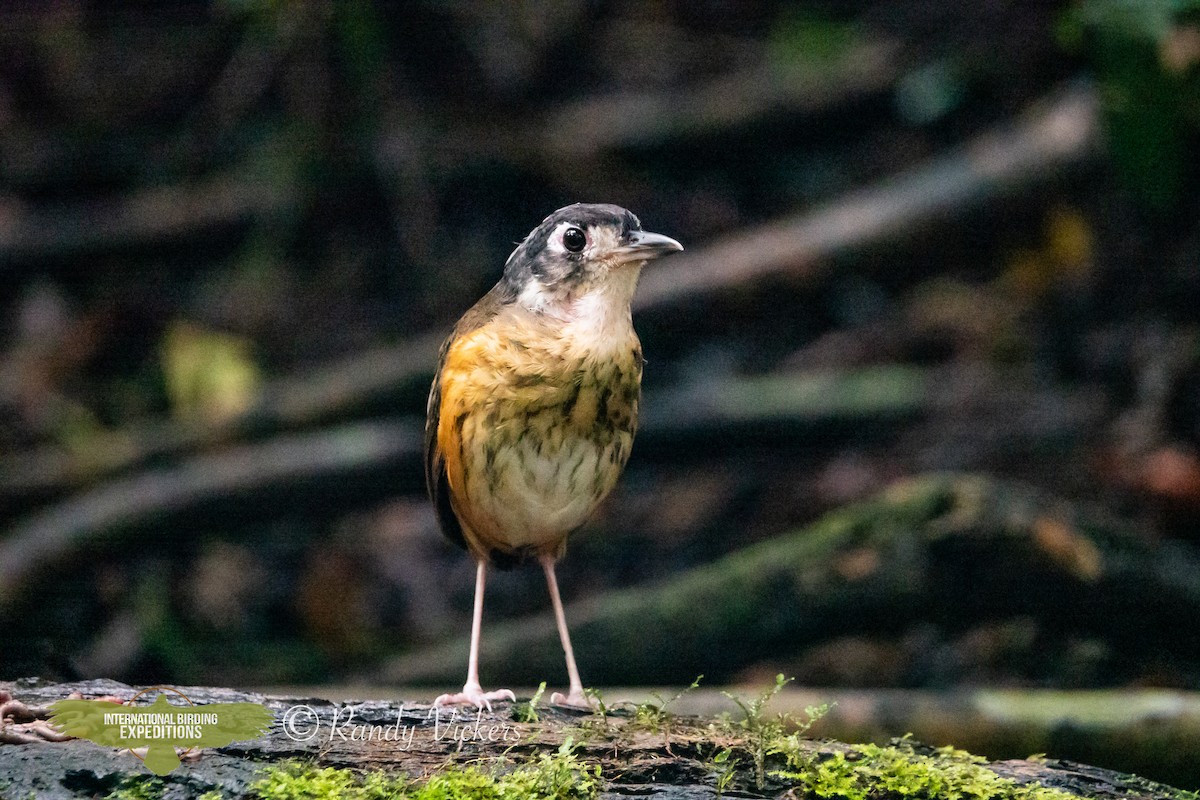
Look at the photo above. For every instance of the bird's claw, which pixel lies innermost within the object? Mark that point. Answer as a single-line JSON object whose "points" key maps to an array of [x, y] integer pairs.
{"points": [[25, 724], [576, 699], [474, 695]]}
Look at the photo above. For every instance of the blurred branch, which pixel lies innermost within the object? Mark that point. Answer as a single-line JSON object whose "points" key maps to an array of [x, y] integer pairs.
{"points": [[250, 70], [977, 414], [291, 402], [911, 554], [55, 531], [569, 142], [144, 216], [789, 403], [1061, 132], [597, 124]]}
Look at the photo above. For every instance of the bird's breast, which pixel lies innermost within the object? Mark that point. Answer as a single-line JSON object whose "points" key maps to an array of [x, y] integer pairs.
{"points": [[534, 431]]}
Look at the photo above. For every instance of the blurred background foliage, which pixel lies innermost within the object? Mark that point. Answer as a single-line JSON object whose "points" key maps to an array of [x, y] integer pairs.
{"points": [[232, 233], [1144, 56]]}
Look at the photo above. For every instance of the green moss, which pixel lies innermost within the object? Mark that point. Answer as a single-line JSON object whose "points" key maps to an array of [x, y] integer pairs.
{"points": [[871, 771], [147, 787], [551, 776], [138, 787], [298, 781]]}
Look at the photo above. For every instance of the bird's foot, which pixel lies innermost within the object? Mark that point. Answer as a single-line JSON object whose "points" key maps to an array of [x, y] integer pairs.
{"points": [[21, 723], [575, 699], [472, 694], [24, 724]]}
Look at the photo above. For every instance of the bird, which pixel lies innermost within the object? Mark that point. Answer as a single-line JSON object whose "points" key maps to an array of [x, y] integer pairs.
{"points": [[534, 406]]}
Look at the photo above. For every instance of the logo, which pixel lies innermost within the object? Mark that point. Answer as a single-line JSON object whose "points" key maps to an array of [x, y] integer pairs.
{"points": [[303, 723], [160, 727]]}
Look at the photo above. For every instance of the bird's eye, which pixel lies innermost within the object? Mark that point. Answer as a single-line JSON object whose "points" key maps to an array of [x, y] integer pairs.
{"points": [[574, 239]]}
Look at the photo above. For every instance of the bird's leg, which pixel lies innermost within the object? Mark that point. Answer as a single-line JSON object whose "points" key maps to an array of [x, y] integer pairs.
{"points": [[472, 692], [575, 696]]}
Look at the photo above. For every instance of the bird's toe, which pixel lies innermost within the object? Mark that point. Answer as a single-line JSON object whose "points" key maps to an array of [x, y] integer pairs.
{"points": [[475, 696], [576, 699]]}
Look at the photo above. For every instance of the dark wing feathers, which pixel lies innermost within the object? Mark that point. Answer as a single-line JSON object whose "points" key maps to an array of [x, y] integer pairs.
{"points": [[436, 482], [435, 471]]}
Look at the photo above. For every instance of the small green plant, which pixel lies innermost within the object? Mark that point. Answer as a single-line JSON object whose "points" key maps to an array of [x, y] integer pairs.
{"points": [[725, 765], [758, 734], [527, 712], [654, 715], [762, 733], [553, 776], [597, 697], [212, 795]]}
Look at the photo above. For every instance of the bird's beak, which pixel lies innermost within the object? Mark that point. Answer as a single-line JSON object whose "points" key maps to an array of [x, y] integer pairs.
{"points": [[644, 246]]}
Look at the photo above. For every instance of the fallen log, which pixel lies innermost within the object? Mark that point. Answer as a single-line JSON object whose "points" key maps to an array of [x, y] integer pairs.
{"points": [[645, 750], [1150, 732]]}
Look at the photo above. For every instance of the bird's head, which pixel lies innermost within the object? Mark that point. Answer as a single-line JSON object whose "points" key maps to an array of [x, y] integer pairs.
{"points": [[582, 252]]}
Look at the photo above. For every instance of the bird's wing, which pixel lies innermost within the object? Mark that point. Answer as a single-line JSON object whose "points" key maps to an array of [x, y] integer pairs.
{"points": [[84, 719], [238, 721], [436, 482]]}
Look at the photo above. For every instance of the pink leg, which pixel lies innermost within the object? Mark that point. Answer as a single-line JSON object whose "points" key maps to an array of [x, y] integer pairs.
{"points": [[575, 696], [472, 692]]}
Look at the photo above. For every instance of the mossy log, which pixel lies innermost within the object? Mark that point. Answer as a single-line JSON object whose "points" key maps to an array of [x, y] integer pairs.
{"points": [[656, 755], [1152, 732]]}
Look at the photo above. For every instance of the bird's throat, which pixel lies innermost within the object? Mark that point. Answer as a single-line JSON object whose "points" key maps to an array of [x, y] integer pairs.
{"points": [[588, 318]]}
